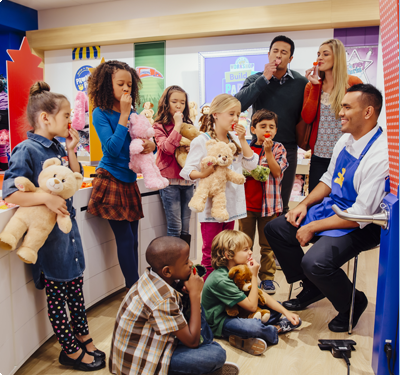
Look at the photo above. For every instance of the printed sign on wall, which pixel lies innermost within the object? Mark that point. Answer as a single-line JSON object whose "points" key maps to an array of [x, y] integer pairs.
{"points": [[362, 63]]}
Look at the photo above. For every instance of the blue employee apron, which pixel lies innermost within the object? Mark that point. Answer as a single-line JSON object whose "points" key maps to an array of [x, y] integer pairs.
{"points": [[342, 193]]}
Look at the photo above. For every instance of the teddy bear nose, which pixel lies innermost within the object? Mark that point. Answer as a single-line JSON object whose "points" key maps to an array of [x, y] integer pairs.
{"points": [[224, 158], [56, 181]]}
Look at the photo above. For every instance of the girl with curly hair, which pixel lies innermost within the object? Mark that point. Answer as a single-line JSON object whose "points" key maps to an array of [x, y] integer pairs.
{"points": [[172, 112], [113, 89]]}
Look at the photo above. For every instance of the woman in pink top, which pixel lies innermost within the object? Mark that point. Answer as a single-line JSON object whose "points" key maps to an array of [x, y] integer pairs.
{"points": [[172, 111]]}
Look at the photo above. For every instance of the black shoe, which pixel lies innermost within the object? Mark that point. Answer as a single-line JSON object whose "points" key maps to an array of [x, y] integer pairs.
{"points": [[97, 353], [187, 238], [306, 297], [341, 322], [77, 364]]}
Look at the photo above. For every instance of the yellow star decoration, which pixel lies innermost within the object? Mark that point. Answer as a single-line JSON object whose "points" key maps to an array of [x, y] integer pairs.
{"points": [[339, 180]]}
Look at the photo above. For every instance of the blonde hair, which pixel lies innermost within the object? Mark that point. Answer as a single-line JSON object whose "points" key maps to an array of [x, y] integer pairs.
{"points": [[339, 73], [222, 103], [229, 242]]}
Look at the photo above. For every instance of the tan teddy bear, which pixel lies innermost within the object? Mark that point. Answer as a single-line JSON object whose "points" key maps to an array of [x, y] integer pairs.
{"points": [[189, 132], [241, 275], [219, 154], [193, 111], [39, 221], [148, 112]]}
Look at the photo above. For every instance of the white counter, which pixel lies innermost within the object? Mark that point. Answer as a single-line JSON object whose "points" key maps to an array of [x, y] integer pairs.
{"points": [[24, 322]]}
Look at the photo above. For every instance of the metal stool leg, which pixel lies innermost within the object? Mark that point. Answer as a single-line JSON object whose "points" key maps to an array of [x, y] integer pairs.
{"points": [[353, 297], [290, 291]]}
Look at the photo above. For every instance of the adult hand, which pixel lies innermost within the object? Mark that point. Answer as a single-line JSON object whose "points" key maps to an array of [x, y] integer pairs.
{"points": [[148, 146], [240, 131], [178, 120], [72, 141], [296, 215], [56, 204], [126, 104], [254, 267], [311, 76], [305, 234], [269, 70], [194, 285]]}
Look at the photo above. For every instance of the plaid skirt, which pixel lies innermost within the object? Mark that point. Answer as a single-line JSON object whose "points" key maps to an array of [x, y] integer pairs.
{"points": [[113, 199]]}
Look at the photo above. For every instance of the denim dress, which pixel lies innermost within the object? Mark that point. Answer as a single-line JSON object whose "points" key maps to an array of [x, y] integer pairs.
{"points": [[61, 258]]}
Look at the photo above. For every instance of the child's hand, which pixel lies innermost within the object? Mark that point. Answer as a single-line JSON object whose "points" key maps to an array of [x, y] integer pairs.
{"points": [[254, 266], [207, 168], [194, 285], [268, 143], [126, 104], [240, 131], [148, 146], [293, 318], [178, 120], [56, 204], [72, 141]]}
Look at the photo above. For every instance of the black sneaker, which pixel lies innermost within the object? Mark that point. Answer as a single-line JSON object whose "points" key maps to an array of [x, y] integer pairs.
{"points": [[341, 322], [306, 297], [285, 325]]}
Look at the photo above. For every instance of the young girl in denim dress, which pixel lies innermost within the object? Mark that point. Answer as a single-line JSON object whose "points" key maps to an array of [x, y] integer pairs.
{"points": [[60, 263], [172, 112], [114, 89]]}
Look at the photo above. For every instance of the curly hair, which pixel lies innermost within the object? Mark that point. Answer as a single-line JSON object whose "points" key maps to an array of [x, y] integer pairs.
{"points": [[100, 89], [163, 115], [225, 245]]}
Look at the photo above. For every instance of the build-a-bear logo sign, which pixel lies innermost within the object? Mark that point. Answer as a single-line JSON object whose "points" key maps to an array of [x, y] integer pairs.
{"points": [[81, 78], [238, 72], [147, 71]]}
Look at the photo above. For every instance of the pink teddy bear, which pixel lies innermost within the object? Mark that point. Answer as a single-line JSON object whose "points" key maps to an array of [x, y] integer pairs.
{"points": [[140, 128]]}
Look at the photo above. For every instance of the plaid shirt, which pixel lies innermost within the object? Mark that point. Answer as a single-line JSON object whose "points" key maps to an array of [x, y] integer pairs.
{"points": [[272, 198], [287, 75], [142, 342]]}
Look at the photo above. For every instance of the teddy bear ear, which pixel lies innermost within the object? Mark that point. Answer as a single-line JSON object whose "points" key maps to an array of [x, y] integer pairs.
{"points": [[50, 162], [210, 143], [233, 272], [232, 147], [79, 179]]}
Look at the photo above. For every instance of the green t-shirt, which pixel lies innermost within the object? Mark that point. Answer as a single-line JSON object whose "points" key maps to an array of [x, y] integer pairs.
{"points": [[219, 291]]}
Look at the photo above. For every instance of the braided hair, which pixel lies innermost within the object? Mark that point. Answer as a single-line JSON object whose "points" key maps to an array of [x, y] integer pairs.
{"points": [[222, 103]]}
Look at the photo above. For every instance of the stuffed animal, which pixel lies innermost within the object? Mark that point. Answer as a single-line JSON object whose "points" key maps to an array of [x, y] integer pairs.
{"points": [[39, 221], [204, 118], [193, 111], [219, 154], [241, 276], [260, 173], [80, 119], [189, 132], [148, 112], [140, 128], [297, 186]]}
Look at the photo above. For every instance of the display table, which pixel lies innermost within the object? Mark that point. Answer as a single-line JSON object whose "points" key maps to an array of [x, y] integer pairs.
{"points": [[24, 322]]}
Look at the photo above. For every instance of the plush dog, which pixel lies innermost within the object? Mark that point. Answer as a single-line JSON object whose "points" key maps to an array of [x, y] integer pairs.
{"points": [[39, 221], [140, 128], [219, 154], [189, 132], [241, 276]]}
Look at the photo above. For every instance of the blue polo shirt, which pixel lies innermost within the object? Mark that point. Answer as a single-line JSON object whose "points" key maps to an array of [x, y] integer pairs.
{"points": [[61, 257]]}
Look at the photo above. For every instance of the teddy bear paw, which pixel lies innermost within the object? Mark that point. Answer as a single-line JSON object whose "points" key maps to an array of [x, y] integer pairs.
{"points": [[257, 315], [221, 217], [27, 255], [8, 241], [265, 317]]}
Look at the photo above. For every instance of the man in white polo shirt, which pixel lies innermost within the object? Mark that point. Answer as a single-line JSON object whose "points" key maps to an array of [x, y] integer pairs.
{"points": [[355, 181]]}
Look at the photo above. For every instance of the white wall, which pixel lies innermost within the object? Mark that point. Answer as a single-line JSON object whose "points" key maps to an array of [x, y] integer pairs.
{"points": [[130, 9], [182, 63]]}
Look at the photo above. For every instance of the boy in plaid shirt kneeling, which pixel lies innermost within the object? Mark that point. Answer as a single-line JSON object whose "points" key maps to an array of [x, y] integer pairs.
{"points": [[263, 199], [150, 320]]}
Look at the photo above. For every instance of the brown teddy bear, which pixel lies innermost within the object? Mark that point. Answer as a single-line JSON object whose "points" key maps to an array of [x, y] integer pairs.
{"points": [[241, 275], [219, 154], [189, 132], [204, 118], [39, 221]]}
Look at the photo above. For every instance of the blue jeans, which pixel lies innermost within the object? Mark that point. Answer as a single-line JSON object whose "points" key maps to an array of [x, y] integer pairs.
{"points": [[252, 328], [175, 199], [208, 357]]}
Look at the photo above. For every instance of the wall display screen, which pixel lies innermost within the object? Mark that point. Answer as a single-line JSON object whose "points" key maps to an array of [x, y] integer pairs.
{"points": [[226, 71]]}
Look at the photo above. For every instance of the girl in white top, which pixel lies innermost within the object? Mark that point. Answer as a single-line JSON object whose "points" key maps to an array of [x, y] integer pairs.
{"points": [[222, 123]]}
